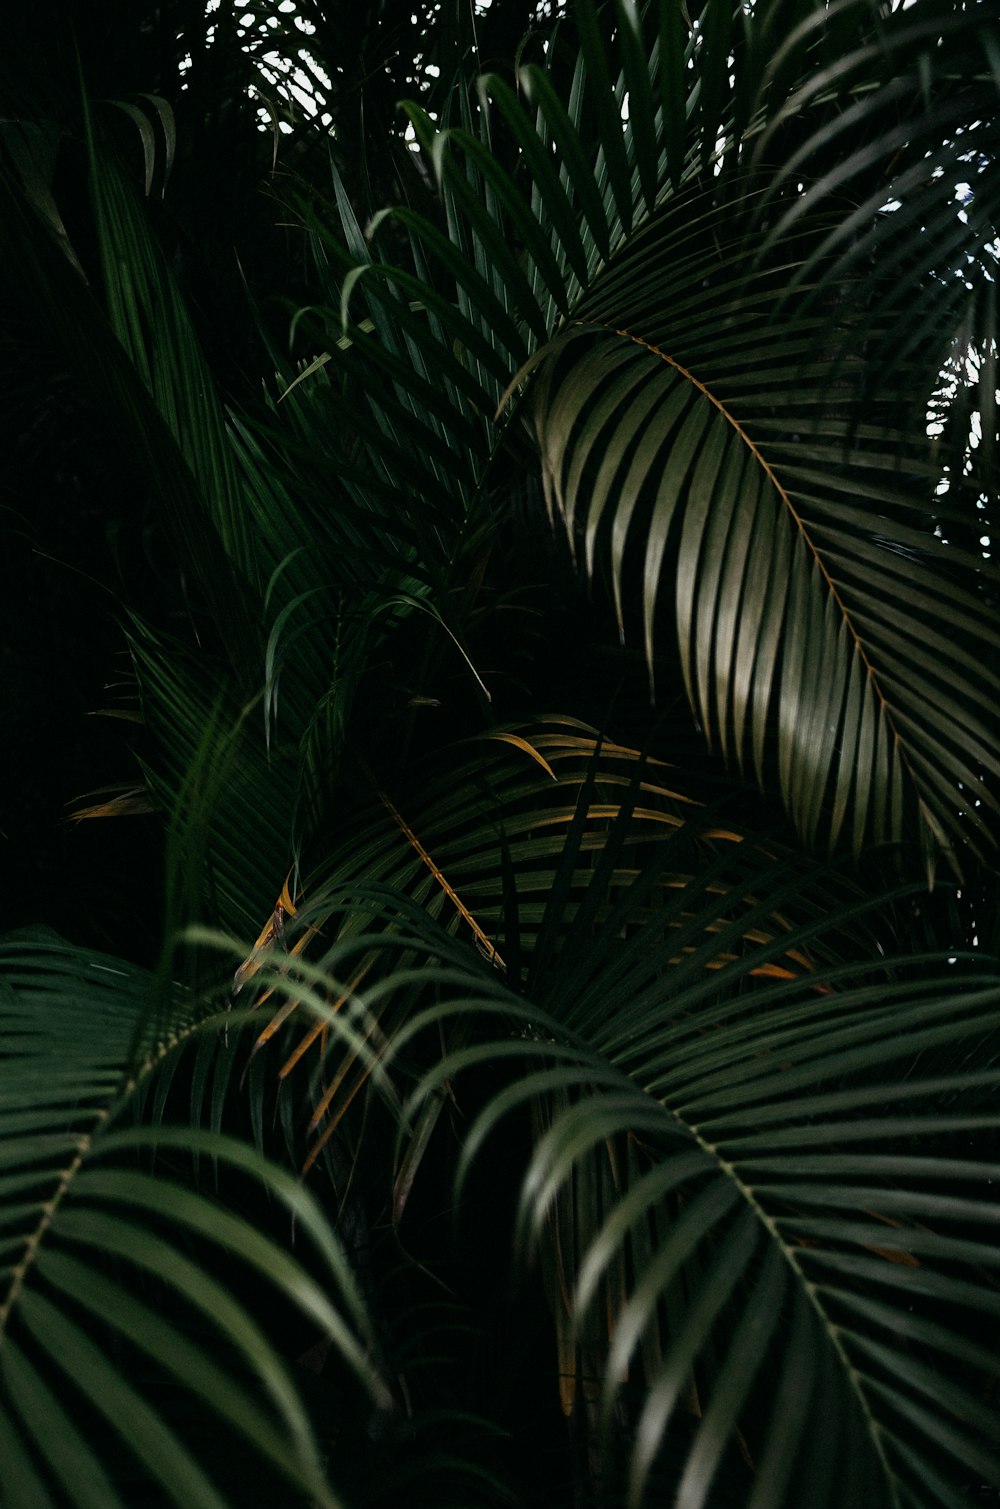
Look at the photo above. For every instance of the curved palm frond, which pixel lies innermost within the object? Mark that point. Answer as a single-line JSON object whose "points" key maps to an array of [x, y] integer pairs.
{"points": [[527, 838], [739, 465], [747, 1137], [768, 1201], [110, 1265], [729, 467], [895, 122], [516, 261], [758, 1159]]}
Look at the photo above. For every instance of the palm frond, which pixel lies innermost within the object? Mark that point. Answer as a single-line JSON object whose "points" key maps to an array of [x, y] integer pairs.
{"points": [[703, 402], [895, 121], [524, 846], [709, 466], [768, 1200], [705, 264], [82, 1034]]}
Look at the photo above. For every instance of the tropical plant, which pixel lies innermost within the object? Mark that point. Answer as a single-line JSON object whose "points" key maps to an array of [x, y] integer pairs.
{"points": [[630, 397]]}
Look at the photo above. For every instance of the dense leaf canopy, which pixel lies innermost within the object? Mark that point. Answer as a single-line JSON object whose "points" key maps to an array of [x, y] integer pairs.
{"points": [[545, 528]]}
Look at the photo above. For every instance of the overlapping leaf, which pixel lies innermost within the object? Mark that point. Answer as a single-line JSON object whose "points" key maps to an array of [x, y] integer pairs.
{"points": [[92, 1236], [728, 441], [747, 1145], [894, 119], [729, 469], [771, 1204], [530, 837]]}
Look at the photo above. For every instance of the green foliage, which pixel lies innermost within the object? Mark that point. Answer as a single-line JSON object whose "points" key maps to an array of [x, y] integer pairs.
{"points": [[629, 327], [110, 1262]]}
